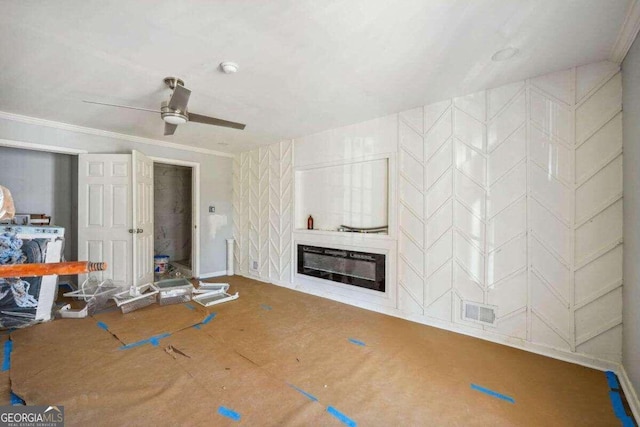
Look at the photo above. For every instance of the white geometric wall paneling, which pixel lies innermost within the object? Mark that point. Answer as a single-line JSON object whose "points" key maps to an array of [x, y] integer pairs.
{"points": [[411, 213], [262, 201], [575, 191], [280, 205], [263, 212], [598, 211], [506, 237], [439, 155], [511, 197], [254, 211], [470, 270], [245, 224], [237, 211], [550, 211]]}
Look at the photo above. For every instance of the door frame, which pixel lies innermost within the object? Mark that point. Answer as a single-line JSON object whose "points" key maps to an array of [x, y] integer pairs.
{"points": [[195, 207]]}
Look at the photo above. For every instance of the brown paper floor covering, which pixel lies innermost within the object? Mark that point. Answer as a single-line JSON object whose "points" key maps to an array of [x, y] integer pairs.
{"points": [[280, 357]]}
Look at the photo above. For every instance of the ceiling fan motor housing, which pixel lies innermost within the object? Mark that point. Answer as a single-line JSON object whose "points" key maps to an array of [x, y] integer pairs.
{"points": [[175, 117]]}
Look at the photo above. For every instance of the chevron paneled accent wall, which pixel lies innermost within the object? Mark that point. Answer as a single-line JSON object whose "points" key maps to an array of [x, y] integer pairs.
{"points": [[512, 198], [262, 200]]}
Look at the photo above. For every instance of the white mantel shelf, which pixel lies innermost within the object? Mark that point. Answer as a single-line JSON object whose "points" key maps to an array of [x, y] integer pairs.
{"points": [[343, 234]]}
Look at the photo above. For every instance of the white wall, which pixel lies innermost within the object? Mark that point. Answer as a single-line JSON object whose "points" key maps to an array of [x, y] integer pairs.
{"points": [[509, 197], [215, 178], [46, 183], [631, 290]]}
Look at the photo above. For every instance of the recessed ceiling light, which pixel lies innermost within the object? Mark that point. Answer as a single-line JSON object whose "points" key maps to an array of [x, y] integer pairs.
{"points": [[229, 67], [504, 54]]}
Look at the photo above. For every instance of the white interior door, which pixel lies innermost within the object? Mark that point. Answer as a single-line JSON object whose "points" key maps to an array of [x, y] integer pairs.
{"points": [[142, 218], [104, 214]]}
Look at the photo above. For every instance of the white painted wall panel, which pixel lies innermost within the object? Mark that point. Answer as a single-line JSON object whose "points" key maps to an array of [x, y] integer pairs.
{"points": [[262, 206]]}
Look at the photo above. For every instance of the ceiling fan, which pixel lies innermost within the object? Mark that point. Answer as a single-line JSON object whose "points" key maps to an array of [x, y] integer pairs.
{"points": [[174, 112]]}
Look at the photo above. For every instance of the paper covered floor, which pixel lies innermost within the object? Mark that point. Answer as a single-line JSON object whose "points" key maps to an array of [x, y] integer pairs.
{"points": [[280, 357]]}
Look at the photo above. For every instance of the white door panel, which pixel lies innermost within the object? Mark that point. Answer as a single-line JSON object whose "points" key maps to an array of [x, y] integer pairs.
{"points": [[142, 218], [104, 214]]}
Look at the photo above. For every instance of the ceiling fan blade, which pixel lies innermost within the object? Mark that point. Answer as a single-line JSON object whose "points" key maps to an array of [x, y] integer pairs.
{"points": [[169, 129], [121, 106], [216, 122], [179, 98]]}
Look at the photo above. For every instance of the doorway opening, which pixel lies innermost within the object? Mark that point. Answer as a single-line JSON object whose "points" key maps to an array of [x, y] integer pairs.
{"points": [[174, 216], [44, 186]]}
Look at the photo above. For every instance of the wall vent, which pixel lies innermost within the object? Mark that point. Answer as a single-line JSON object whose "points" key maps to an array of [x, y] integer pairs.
{"points": [[479, 313], [253, 265]]}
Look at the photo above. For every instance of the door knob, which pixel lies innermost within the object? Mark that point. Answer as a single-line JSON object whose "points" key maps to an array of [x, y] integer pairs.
{"points": [[139, 230]]}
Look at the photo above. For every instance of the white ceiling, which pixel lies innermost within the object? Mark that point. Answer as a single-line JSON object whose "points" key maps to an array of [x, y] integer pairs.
{"points": [[305, 65]]}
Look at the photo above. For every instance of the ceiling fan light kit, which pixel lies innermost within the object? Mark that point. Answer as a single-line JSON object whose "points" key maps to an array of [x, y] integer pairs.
{"points": [[171, 116]]}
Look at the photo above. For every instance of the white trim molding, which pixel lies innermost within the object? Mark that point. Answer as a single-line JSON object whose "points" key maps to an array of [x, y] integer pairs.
{"points": [[40, 147], [629, 392], [214, 274], [628, 32], [109, 134]]}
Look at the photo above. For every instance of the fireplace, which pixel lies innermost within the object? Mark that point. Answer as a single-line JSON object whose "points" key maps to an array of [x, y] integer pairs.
{"points": [[362, 269]]}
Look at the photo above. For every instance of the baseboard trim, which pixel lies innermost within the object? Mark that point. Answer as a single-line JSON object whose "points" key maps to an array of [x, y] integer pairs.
{"points": [[576, 358], [629, 392], [213, 274]]}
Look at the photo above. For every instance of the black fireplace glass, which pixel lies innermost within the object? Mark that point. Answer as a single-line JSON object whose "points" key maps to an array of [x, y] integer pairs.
{"points": [[362, 269]]}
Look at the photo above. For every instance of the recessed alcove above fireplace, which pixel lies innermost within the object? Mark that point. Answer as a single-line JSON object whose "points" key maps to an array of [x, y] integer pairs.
{"points": [[352, 194]]}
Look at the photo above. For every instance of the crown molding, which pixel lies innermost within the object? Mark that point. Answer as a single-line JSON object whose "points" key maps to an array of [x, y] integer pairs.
{"points": [[628, 32], [40, 147], [109, 134]]}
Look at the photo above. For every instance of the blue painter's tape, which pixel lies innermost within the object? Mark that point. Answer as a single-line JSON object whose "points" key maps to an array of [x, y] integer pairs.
{"points": [[190, 306], [6, 359], [618, 409], [154, 341], [357, 342], [229, 413], [612, 380], [209, 318], [266, 307], [616, 402], [309, 396], [103, 325], [627, 421], [341, 417], [15, 399], [492, 393]]}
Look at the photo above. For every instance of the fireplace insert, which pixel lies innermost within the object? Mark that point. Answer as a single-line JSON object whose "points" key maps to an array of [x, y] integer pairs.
{"points": [[363, 269]]}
